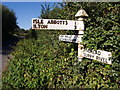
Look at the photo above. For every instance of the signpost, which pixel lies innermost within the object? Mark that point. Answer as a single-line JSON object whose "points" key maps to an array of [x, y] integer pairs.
{"points": [[71, 38], [49, 24]]}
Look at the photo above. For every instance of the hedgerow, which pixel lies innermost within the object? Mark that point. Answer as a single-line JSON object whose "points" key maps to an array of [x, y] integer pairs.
{"points": [[47, 62]]}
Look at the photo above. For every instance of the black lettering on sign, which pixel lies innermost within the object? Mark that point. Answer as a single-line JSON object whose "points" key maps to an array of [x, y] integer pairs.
{"points": [[39, 25], [66, 23], [104, 60], [42, 26], [41, 22], [57, 22], [95, 52], [49, 22], [37, 20], [97, 58], [63, 22], [60, 22], [84, 54], [101, 59], [91, 50], [92, 56], [52, 22], [99, 53], [88, 56], [34, 26], [75, 27], [34, 21]]}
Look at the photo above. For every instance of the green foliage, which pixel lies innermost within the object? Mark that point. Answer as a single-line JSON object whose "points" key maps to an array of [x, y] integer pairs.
{"points": [[46, 62], [102, 27], [33, 61], [31, 34], [9, 21], [103, 31], [48, 12], [21, 32], [45, 11]]}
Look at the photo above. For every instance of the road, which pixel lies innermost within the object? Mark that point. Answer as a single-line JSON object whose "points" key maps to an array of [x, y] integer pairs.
{"points": [[7, 47]]}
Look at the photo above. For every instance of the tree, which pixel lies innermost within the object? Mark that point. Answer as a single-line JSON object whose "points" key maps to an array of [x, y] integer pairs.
{"points": [[9, 22], [45, 11], [48, 12]]}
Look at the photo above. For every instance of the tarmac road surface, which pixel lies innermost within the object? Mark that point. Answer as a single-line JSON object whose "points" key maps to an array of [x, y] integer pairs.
{"points": [[7, 47]]}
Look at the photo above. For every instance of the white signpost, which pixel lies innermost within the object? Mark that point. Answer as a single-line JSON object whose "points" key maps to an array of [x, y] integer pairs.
{"points": [[49, 24], [99, 55], [80, 14], [71, 38]]}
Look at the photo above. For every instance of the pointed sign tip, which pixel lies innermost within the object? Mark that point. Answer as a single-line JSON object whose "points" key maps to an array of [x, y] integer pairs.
{"points": [[81, 13]]}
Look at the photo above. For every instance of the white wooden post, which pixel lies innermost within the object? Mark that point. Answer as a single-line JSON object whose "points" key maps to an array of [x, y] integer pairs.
{"points": [[81, 14]]}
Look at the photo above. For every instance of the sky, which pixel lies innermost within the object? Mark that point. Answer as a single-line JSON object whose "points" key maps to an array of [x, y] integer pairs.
{"points": [[25, 11]]}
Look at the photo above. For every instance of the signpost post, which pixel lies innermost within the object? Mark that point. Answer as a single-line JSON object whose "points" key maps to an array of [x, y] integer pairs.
{"points": [[80, 14]]}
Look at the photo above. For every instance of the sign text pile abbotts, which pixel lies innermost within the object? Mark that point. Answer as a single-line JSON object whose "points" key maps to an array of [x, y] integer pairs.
{"points": [[57, 24]]}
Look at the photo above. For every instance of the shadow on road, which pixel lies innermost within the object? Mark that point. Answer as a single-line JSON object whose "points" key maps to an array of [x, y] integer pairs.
{"points": [[7, 47], [8, 44]]}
